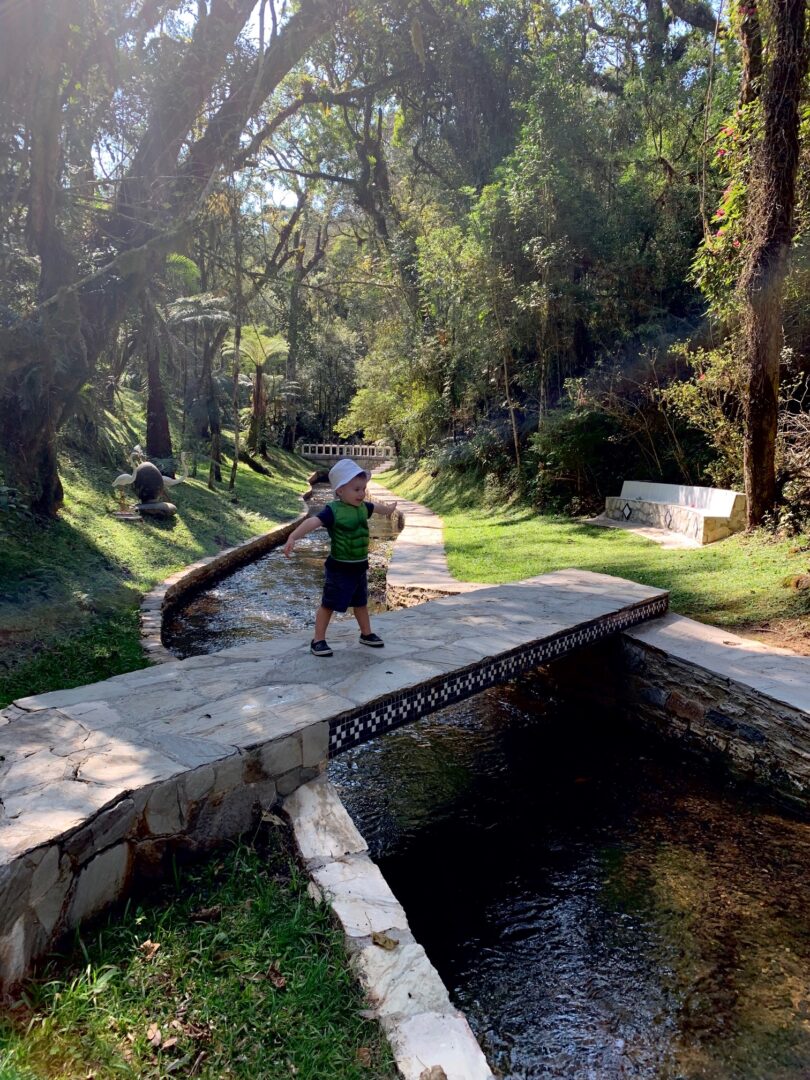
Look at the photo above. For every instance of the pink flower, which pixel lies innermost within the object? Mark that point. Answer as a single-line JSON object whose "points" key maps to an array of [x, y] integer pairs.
{"points": [[719, 232], [701, 377], [720, 213], [736, 243], [721, 152]]}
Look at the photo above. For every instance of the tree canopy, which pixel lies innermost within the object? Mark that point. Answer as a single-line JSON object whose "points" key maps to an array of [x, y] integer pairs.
{"points": [[474, 228]]}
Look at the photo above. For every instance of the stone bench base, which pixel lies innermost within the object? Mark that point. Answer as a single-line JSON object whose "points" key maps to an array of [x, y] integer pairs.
{"points": [[691, 521]]}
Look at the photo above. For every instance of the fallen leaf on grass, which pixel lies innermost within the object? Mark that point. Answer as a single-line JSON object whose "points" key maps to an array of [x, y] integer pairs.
{"points": [[276, 978], [383, 940], [169, 1043], [207, 914], [363, 1056], [149, 948], [153, 1035]]}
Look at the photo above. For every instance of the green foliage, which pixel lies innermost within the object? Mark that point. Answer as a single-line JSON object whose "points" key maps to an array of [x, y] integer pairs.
{"points": [[579, 459], [711, 401], [232, 972]]}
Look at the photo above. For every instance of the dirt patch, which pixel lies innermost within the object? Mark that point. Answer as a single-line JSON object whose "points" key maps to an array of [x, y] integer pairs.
{"points": [[791, 634]]}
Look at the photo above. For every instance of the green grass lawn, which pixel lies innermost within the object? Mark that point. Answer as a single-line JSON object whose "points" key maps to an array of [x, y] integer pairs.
{"points": [[737, 583], [70, 589], [241, 977]]}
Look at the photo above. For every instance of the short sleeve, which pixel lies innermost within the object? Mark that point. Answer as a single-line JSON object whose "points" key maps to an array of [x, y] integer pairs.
{"points": [[370, 508], [326, 517]]}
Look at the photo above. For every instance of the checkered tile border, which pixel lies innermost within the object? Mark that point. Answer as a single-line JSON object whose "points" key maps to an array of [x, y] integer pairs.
{"points": [[352, 728]]}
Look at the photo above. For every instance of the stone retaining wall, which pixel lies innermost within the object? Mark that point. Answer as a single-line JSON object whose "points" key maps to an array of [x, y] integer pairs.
{"points": [[757, 737], [130, 841]]}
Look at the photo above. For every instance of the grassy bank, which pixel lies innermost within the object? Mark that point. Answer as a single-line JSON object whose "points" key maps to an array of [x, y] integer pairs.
{"points": [[69, 590], [242, 977], [737, 583]]}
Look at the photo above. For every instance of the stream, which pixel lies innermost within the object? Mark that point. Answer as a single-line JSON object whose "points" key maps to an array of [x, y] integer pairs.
{"points": [[599, 905]]}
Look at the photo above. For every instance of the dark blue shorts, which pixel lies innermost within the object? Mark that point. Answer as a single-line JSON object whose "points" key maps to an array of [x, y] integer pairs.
{"points": [[346, 585]]}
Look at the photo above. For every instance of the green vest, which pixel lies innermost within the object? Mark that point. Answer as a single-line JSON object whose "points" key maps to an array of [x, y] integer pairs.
{"points": [[349, 532]]}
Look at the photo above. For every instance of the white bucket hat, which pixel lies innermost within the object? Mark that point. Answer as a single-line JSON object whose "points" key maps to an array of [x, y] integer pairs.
{"points": [[343, 472]]}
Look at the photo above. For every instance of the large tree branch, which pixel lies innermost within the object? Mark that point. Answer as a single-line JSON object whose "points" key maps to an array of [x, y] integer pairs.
{"points": [[695, 13], [179, 103], [311, 96], [223, 130]]}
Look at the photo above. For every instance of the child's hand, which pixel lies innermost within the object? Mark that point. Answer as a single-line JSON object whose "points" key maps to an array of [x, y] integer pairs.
{"points": [[386, 508], [288, 547]]}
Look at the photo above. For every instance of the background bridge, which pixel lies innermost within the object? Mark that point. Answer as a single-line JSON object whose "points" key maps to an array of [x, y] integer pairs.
{"points": [[329, 453]]}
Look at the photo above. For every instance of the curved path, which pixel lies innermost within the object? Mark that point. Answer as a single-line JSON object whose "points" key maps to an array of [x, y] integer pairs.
{"points": [[418, 567]]}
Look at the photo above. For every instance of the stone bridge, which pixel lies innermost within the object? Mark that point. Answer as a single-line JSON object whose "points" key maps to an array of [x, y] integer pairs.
{"points": [[101, 784]]}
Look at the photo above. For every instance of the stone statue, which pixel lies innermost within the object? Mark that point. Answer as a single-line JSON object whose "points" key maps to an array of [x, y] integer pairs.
{"points": [[149, 483]]}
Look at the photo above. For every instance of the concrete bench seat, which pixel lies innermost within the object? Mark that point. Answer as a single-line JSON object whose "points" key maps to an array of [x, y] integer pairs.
{"points": [[703, 514]]}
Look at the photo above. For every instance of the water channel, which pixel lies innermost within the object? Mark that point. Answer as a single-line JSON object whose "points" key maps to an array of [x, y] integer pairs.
{"points": [[599, 905]]}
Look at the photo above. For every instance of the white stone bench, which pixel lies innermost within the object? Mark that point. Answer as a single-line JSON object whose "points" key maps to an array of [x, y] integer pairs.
{"points": [[703, 514]]}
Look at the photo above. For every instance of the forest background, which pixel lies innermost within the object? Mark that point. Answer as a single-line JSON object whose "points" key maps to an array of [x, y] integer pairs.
{"points": [[560, 244]]}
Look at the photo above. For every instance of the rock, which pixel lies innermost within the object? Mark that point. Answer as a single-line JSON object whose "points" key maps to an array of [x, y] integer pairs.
{"points": [[157, 509]]}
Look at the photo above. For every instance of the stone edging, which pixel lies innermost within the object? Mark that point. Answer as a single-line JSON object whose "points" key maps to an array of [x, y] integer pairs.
{"points": [[169, 593], [429, 1037]]}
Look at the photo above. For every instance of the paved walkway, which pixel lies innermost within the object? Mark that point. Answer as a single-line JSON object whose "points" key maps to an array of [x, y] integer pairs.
{"points": [[419, 562]]}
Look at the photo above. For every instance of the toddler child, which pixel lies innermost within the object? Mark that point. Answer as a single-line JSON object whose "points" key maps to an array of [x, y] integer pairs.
{"points": [[346, 584]]}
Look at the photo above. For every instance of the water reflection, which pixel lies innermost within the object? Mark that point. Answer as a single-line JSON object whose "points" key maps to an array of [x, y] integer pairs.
{"points": [[598, 906]]}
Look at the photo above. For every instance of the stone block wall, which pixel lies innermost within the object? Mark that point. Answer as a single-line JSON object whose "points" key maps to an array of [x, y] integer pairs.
{"points": [[757, 737], [48, 890]]}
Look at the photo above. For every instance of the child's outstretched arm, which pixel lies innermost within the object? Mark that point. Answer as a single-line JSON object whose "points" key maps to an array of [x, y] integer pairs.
{"points": [[386, 508], [308, 526]]}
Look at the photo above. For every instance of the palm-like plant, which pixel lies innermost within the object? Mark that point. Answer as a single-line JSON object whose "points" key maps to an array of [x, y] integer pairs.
{"points": [[261, 350]]}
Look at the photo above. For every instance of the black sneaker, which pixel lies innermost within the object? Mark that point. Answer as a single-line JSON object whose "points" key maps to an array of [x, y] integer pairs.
{"points": [[372, 640], [319, 648]]}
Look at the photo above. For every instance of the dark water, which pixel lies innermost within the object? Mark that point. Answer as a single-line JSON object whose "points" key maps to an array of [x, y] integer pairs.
{"points": [[599, 906], [269, 597]]}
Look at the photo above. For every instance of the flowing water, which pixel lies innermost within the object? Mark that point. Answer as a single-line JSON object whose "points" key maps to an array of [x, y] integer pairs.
{"points": [[271, 596], [599, 905]]}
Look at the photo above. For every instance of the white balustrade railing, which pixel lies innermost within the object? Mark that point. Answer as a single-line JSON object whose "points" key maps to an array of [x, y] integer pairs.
{"points": [[380, 453]]}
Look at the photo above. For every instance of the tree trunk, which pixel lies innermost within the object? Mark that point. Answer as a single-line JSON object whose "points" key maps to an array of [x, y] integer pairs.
{"points": [[237, 334], [291, 368], [158, 436], [772, 197], [28, 453]]}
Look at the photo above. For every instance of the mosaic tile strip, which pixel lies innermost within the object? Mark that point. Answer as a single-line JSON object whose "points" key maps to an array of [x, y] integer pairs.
{"points": [[352, 728]]}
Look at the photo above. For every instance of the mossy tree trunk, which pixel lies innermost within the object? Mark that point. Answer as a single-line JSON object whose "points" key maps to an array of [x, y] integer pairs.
{"points": [[772, 197]]}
